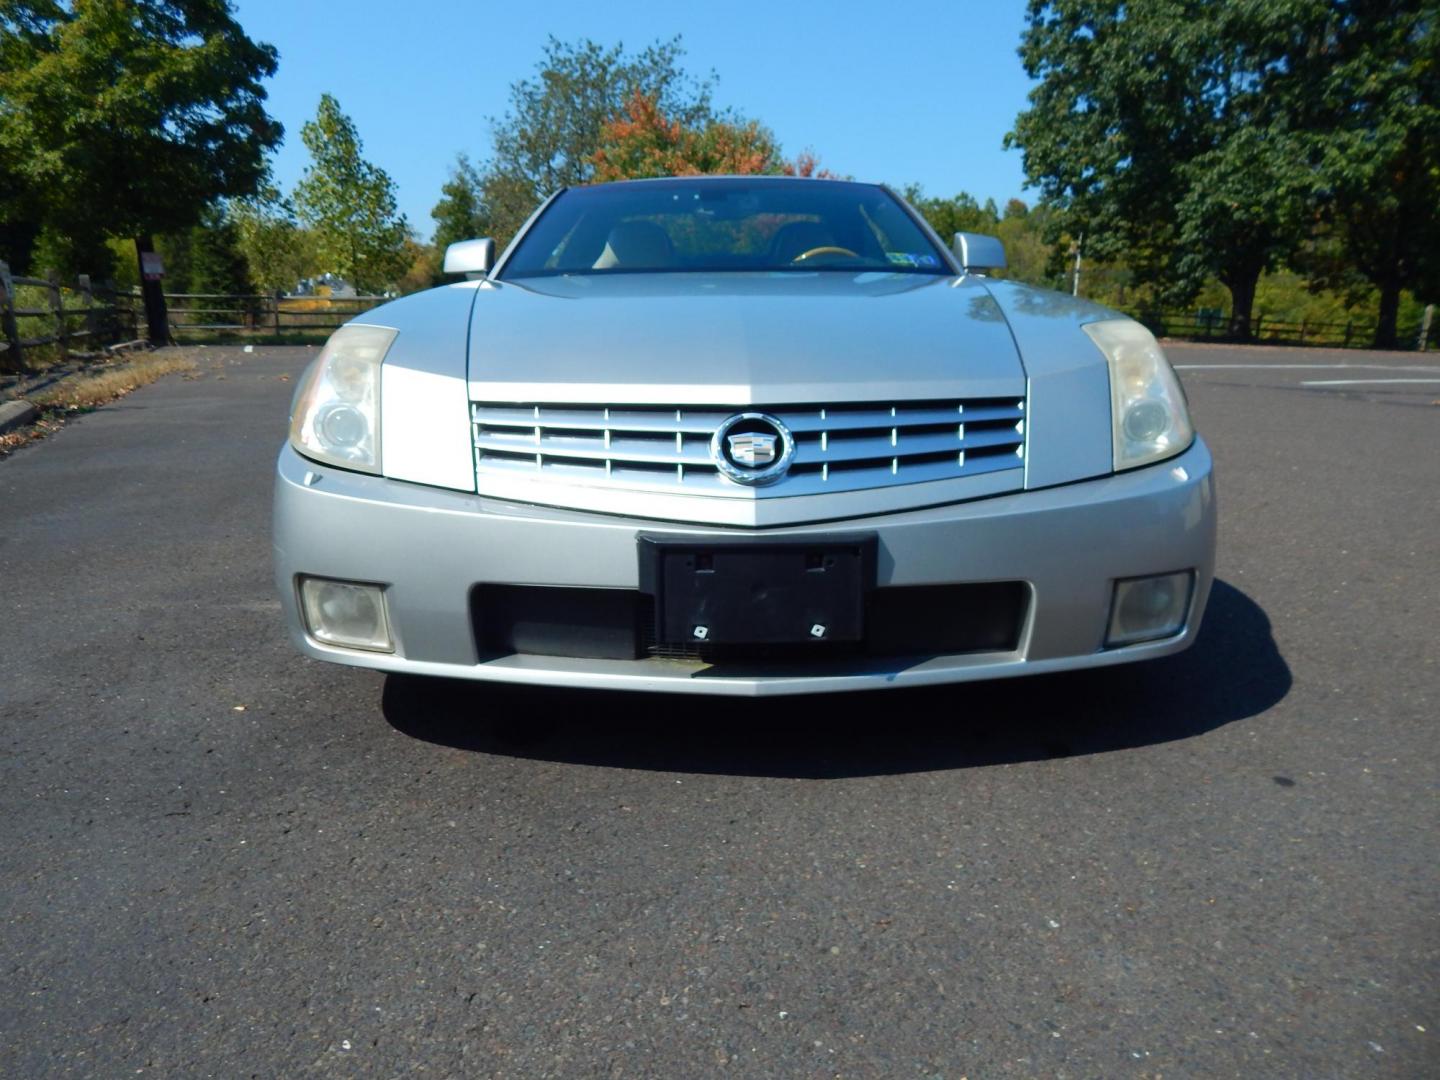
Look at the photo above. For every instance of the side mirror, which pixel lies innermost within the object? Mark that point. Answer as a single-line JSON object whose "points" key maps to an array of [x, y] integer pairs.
{"points": [[978, 252], [473, 258]]}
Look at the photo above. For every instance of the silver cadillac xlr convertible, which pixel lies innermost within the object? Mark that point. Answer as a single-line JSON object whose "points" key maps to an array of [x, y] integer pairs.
{"points": [[740, 435]]}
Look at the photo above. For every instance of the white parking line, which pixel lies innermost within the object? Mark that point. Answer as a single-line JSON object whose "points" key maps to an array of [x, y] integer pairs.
{"points": [[1362, 382], [1303, 367]]}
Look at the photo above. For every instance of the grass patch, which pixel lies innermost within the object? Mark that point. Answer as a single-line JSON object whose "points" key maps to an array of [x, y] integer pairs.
{"points": [[83, 393], [223, 337]]}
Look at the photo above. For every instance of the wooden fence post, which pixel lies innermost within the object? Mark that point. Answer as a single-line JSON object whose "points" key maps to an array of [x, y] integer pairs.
{"points": [[1420, 343], [1259, 320], [88, 295], [109, 317], [276, 301], [124, 316], [57, 307], [1302, 331], [7, 318]]}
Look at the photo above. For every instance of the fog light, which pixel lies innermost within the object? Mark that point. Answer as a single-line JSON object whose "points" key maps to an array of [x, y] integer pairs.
{"points": [[1149, 608], [346, 613]]}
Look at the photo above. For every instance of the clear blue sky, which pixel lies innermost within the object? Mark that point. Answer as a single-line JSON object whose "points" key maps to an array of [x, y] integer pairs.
{"points": [[922, 91]]}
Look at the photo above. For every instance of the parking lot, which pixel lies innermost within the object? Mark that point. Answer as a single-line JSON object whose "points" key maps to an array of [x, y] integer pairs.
{"points": [[222, 859]]}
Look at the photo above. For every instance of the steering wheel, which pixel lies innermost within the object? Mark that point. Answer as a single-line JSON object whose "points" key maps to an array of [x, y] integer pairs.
{"points": [[824, 249]]}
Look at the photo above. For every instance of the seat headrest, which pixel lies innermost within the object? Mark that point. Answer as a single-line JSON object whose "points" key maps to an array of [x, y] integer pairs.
{"points": [[636, 245]]}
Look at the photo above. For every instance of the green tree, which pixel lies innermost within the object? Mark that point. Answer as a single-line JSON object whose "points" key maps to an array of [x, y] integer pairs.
{"points": [[1029, 250], [177, 252], [1030, 255], [68, 255], [461, 213], [1156, 128], [424, 270], [1364, 84], [218, 264], [204, 258], [960, 213], [128, 118], [547, 139], [349, 204], [277, 250]]}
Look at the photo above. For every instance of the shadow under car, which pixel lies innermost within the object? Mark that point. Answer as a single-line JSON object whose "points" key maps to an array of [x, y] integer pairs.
{"points": [[1233, 671]]}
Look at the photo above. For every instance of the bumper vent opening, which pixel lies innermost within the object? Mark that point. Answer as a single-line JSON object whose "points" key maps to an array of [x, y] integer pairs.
{"points": [[619, 624]]}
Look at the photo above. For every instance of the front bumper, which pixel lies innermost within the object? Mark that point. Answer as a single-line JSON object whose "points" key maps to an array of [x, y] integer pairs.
{"points": [[428, 547]]}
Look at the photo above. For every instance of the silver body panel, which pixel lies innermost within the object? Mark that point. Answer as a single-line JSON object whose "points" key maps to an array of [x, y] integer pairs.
{"points": [[1068, 437], [740, 339], [424, 414]]}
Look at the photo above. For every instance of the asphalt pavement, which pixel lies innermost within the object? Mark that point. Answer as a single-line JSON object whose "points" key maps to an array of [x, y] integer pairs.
{"points": [[220, 859]]}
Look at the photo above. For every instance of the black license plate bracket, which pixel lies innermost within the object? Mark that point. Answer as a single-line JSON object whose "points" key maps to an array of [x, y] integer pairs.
{"points": [[758, 592]]}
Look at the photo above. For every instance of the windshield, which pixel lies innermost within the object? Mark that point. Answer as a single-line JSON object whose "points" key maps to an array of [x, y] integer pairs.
{"points": [[740, 224]]}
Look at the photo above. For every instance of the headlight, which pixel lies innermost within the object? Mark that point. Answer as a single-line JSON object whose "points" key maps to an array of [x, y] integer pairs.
{"points": [[1147, 405], [336, 416]]}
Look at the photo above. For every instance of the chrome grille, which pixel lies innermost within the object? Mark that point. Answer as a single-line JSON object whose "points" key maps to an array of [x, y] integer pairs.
{"points": [[845, 447]]}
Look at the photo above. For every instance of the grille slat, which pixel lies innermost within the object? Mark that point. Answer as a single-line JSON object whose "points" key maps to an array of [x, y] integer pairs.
{"points": [[873, 474], [696, 450], [986, 412], [588, 418], [1008, 437], [844, 447], [905, 445]]}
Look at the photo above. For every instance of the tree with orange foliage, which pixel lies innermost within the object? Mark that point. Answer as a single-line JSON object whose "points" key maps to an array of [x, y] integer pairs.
{"points": [[643, 141], [807, 163]]}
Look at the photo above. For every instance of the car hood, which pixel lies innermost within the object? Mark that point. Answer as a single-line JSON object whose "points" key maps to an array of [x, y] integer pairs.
{"points": [[739, 339]]}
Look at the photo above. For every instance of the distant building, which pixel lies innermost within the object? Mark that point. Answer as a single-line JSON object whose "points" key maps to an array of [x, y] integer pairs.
{"points": [[331, 285]]}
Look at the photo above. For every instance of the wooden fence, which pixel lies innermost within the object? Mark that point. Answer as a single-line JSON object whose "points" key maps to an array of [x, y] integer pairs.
{"points": [[85, 313], [43, 320], [213, 314], [100, 314], [1214, 325]]}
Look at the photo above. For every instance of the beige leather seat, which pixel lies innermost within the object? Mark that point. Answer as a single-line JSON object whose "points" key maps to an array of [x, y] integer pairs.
{"points": [[636, 245]]}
